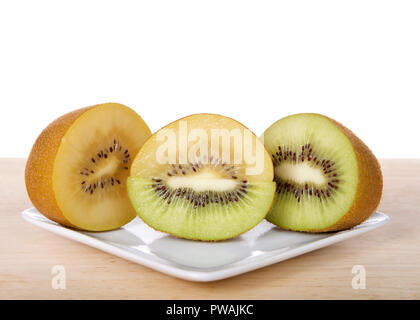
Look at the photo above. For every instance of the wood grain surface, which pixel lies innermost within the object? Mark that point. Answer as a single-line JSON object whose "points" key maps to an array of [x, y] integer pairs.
{"points": [[390, 254]]}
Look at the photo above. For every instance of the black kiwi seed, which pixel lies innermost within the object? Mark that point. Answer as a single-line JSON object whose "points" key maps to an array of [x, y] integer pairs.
{"points": [[195, 198], [306, 153], [115, 147]]}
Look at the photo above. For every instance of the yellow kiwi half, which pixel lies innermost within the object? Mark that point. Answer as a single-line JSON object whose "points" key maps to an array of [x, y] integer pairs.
{"points": [[77, 170]]}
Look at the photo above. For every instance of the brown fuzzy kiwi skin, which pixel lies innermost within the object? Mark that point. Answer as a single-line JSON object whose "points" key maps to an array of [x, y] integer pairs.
{"points": [[369, 186], [40, 164]]}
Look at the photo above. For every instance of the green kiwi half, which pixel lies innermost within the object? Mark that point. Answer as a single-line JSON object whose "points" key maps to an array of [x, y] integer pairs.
{"points": [[203, 198], [327, 179]]}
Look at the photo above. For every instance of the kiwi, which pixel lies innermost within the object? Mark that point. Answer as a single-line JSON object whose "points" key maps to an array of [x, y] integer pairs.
{"points": [[77, 169], [327, 179], [204, 196]]}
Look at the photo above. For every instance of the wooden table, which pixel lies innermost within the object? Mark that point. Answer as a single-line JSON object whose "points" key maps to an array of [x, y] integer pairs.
{"points": [[390, 254]]}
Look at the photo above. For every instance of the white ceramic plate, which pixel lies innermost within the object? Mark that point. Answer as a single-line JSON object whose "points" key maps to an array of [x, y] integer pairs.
{"points": [[204, 261]]}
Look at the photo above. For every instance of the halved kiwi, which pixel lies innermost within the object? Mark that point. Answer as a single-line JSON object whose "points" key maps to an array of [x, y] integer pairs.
{"points": [[208, 190], [327, 178], [76, 172]]}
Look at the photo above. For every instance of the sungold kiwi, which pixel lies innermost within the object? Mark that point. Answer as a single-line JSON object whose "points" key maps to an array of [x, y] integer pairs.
{"points": [[77, 169], [327, 179]]}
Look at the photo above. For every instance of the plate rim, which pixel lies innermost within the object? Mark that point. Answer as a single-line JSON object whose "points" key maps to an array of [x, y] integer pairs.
{"points": [[195, 275]]}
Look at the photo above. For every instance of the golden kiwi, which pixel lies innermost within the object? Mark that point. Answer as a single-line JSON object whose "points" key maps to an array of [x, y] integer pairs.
{"points": [[77, 169]]}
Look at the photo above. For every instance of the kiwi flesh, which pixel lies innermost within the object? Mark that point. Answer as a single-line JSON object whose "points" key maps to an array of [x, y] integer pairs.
{"points": [[203, 198], [326, 178], [76, 172]]}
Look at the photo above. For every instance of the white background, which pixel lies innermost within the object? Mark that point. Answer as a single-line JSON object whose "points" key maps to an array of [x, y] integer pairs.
{"points": [[255, 61]]}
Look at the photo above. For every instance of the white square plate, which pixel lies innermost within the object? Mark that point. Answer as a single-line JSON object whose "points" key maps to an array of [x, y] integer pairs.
{"points": [[204, 261]]}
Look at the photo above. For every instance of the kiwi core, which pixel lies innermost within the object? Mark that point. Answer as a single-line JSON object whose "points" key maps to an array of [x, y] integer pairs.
{"points": [[105, 168], [300, 173], [303, 172], [108, 168], [203, 181]]}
